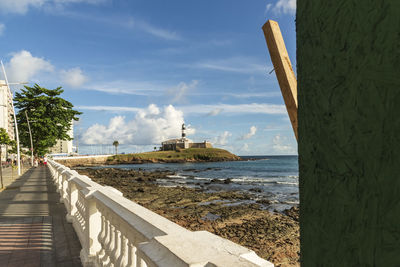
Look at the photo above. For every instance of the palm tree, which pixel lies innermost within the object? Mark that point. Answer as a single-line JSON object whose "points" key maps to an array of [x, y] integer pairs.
{"points": [[116, 144]]}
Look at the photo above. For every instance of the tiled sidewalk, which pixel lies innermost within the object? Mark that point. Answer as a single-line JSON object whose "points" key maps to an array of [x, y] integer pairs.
{"points": [[33, 229]]}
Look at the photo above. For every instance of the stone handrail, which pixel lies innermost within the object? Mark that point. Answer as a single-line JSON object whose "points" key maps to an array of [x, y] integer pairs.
{"points": [[115, 231]]}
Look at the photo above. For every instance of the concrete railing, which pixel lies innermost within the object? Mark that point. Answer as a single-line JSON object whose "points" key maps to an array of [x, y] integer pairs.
{"points": [[115, 231]]}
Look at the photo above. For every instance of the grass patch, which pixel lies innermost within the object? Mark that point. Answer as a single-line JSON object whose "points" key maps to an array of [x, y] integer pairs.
{"points": [[190, 154]]}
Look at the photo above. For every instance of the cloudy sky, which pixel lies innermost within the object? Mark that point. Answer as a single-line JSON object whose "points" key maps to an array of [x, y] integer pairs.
{"points": [[138, 69]]}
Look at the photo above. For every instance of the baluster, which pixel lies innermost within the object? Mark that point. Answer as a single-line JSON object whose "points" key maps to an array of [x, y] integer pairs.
{"points": [[121, 261], [108, 245], [102, 254], [116, 244], [131, 254], [101, 236]]}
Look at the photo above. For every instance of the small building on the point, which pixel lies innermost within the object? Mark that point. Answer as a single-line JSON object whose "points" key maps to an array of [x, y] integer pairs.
{"points": [[183, 143]]}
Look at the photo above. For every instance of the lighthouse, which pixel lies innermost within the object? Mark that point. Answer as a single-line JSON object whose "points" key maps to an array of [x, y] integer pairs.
{"points": [[183, 142], [183, 131]]}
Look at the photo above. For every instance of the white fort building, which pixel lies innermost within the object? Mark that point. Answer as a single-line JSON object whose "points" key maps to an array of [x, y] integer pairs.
{"points": [[183, 142]]}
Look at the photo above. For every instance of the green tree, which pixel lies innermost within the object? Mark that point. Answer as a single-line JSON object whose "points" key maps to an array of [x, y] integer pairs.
{"points": [[50, 117], [116, 144], [4, 140]]}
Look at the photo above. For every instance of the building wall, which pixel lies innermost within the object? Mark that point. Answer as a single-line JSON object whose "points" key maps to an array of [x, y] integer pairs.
{"points": [[6, 115], [200, 145], [167, 147], [62, 146], [6, 111], [348, 66]]}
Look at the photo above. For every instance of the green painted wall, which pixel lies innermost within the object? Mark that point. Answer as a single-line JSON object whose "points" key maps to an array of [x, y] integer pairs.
{"points": [[348, 65]]}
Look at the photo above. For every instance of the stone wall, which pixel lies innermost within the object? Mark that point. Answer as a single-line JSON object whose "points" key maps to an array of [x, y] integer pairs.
{"points": [[200, 145], [82, 160]]}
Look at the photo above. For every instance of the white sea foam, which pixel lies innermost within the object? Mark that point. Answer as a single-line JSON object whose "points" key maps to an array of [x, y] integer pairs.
{"points": [[177, 176], [288, 183], [291, 202], [202, 178]]}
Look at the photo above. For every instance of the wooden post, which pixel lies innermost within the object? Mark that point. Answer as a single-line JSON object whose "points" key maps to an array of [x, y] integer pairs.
{"points": [[283, 69]]}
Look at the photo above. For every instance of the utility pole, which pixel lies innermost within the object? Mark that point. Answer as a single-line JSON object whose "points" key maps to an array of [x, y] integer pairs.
{"points": [[30, 135], [283, 69]]}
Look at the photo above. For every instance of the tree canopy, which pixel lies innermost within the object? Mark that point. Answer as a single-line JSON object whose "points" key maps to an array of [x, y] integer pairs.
{"points": [[50, 117], [4, 138]]}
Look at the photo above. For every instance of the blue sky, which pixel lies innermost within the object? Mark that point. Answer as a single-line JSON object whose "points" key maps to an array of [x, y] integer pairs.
{"points": [[138, 69]]}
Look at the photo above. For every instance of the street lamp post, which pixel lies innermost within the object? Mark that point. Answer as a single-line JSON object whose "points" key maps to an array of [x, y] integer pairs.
{"points": [[15, 120], [30, 135]]}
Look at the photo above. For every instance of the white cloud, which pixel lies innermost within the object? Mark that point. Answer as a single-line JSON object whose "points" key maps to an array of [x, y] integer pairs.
{"points": [[215, 112], [123, 87], [253, 130], [22, 6], [73, 77], [230, 109], [178, 92], [149, 126], [2, 28], [245, 148], [127, 22], [222, 139], [23, 66], [282, 6], [19, 6], [109, 108], [243, 65], [280, 145], [227, 109], [156, 31], [144, 88]]}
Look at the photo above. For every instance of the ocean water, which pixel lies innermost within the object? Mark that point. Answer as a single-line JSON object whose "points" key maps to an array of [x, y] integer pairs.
{"points": [[266, 177]]}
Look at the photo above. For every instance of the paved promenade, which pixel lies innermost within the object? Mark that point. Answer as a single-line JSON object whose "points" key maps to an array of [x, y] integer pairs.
{"points": [[33, 229]]}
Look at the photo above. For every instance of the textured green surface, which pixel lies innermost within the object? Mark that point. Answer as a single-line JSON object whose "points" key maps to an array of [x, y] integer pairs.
{"points": [[348, 56]]}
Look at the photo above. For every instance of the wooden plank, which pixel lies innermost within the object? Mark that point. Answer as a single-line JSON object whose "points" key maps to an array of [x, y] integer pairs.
{"points": [[283, 69]]}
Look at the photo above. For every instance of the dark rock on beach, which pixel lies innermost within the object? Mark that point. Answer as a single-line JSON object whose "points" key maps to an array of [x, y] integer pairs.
{"points": [[229, 214]]}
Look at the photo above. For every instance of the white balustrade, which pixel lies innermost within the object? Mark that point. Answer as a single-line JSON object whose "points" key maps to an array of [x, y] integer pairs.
{"points": [[117, 232]]}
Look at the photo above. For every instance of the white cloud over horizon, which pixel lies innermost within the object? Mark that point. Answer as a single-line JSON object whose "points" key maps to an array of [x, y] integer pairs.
{"points": [[282, 6], [281, 145], [149, 126], [252, 132], [222, 139]]}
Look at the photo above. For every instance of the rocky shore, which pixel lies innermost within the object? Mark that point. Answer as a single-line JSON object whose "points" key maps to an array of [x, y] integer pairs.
{"points": [[229, 214]]}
